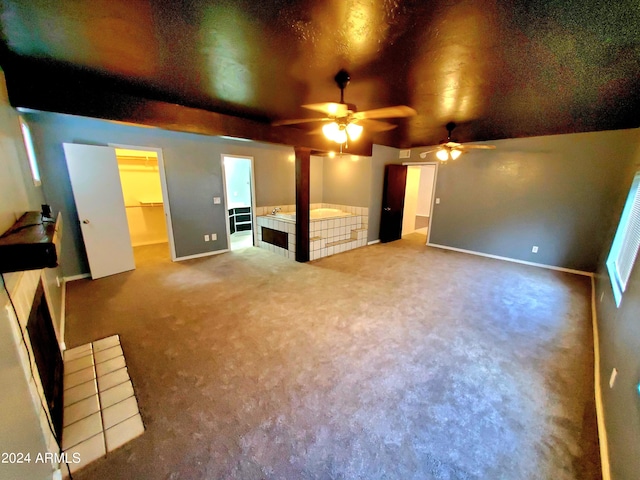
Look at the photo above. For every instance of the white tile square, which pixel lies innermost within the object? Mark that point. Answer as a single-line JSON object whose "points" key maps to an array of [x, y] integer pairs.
{"points": [[88, 451], [112, 379], [116, 394], [82, 430], [323, 252], [77, 352], [80, 410], [81, 376], [106, 343], [119, 412], [330, 250], [110, 365], [78, 364], [124, 432], [80, 392], [108, 354]]}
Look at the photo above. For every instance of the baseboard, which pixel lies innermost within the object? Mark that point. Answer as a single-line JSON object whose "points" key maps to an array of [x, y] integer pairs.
{"points": [[73, 278], [513, 260], [373, 242], [602, 430], [63, 313], [200, 255]]}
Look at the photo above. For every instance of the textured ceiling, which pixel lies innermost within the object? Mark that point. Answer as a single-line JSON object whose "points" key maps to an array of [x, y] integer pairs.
{"points": [[498, 69]]}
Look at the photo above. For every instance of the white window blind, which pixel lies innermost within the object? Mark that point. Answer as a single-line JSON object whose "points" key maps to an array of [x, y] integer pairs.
{"points": [[624, 249]]}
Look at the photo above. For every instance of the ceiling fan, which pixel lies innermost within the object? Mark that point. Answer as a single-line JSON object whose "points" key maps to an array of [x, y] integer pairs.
{"points": [[449, 149], [342, 120]]}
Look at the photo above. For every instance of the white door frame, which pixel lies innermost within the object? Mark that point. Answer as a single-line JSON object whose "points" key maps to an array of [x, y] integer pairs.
{"points": [[433, 190], [165, 192], [254, 234]]}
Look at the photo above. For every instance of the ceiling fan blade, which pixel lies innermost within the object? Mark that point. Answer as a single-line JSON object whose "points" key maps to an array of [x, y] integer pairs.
{"points": [[294, 121], [329, 108], [315, 131], [479, 147], [375, 125], [424, 154], [387, 112]]}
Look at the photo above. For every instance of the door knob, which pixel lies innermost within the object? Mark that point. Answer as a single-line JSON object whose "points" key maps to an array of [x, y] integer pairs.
{"points": [[85, 221]]}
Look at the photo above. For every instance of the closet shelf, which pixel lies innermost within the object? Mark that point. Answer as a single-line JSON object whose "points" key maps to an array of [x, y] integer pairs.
{"points": [[151, 203]]}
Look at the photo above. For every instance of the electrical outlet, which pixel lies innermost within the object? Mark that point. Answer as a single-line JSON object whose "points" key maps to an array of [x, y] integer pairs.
{"points": [[612, 379], [534, 249], [214, 237], [437, 201], [405, 154], [206, 238], [216, 200]]}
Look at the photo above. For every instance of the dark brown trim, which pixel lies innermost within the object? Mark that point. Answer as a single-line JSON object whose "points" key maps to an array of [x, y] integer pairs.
{"points": [[303, 173]]}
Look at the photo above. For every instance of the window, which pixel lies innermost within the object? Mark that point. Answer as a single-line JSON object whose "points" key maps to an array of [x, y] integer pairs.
{"points": [[31, 154], [626, 242]]}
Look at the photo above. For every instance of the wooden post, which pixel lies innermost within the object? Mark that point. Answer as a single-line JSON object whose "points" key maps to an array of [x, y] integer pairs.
{"points": [[303, 157]]}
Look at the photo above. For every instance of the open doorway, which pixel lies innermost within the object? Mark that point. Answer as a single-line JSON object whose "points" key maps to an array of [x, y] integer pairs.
{"points": [[240, 200], [418, 199], [145, 206]]}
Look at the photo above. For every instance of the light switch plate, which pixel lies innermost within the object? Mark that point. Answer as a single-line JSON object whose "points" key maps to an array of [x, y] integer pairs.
{"points": [[214, 237], [216, 200]]}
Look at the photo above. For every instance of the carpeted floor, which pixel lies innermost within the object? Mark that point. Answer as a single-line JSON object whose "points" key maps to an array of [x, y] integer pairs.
{"points": [[394, 361]]}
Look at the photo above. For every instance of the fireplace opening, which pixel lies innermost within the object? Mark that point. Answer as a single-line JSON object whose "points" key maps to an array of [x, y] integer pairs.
{"points": [[48, 358]]}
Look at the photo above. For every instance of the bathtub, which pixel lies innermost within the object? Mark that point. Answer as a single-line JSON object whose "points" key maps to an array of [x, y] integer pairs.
{"points": [[315, 214]]}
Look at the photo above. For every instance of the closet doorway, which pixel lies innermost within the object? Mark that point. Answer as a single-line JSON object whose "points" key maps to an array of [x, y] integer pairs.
{"points": [[240, 200], [144, 200]]}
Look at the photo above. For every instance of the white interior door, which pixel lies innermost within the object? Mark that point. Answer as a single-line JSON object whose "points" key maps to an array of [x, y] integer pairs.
{"points": [[97, 190]]}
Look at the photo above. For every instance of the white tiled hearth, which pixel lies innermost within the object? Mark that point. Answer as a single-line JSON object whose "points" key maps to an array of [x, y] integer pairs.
{"points": [[100, 408]]}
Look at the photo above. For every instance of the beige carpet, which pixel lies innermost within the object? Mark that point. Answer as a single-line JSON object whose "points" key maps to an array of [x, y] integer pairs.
{"points": [[395, 361]]}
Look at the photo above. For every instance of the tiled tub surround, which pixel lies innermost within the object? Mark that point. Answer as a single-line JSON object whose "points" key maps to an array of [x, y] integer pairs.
{"points": [[335, 234], [100, 408]]}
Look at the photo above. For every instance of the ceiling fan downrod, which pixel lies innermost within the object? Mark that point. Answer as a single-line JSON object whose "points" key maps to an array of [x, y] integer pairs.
{"points": [[342, 79]]}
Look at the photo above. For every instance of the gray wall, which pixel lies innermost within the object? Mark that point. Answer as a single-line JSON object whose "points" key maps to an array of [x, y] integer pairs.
{"points": [[619, 332], [193, 172], [346, 180], [18, 193], [20, 430], [551, 191]]}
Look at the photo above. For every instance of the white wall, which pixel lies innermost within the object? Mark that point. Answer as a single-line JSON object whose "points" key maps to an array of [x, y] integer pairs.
{"points": [[425, 190]]}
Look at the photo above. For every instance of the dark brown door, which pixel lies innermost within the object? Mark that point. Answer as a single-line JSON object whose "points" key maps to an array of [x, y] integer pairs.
{"points": [[395, 181]]}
